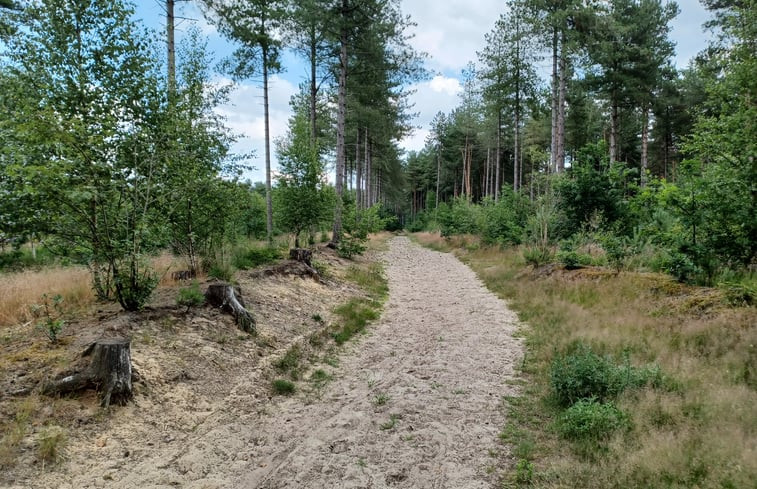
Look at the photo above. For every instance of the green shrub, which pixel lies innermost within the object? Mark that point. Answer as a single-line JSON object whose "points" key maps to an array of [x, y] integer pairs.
{"points": [[573, 259], [349, 246], [283, 387], [583, 374], [191, 296], [459, 217], [254, 257], [589, 419], [537, 255], [133, 289], [221, 271], [50, 313], [524, 472]]}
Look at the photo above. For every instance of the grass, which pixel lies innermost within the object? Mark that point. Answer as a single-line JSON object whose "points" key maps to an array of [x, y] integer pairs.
{"points": [[51, 443], [355, 315], [290, 362], [682, 369], [381, 399], [19, 290], [283, 387]]}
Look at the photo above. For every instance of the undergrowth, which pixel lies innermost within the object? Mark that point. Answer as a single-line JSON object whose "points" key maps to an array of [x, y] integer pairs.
{"points": [[629, 379]]}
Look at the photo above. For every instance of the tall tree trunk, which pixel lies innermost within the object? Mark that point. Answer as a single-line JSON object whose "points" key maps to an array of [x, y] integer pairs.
{"points": [[497, 158], [313, 87], [268, 200], [170, 29], [644, 143], [359, 169], [555, 96], [613, 130], [340, 123], [368, 172], [562, 89], [438, 172]]}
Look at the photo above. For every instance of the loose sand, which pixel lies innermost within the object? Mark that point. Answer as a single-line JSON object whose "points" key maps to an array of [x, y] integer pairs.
{"points": [[415, 403]]}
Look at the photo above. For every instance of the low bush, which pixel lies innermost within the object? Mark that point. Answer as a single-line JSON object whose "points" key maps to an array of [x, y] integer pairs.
{"points": [[537, 255], [254, 257], [283, 387], [589, 419], [583, 374], [350, 246], [191, 296]]}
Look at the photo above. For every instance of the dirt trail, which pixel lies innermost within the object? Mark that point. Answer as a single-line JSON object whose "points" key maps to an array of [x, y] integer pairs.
{"points": [[416, 403]]}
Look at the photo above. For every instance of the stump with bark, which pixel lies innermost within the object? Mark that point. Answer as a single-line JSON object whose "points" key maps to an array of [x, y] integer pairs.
{"points": [[302, 255], [109, 372], [229, 299]]}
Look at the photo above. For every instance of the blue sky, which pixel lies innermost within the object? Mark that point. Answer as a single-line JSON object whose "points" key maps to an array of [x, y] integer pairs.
{"points": [[450, 31]]}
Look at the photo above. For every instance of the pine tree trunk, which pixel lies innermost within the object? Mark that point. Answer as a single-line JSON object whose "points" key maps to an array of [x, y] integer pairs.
{"points": [[438, 171], [560, 158], [644, 144], [553, 142], [359, 172], [613, 131], [268, 197], [497, 160], [340, 123]]}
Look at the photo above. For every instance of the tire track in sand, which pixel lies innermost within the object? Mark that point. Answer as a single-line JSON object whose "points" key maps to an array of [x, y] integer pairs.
{"points": [[443, 353]]}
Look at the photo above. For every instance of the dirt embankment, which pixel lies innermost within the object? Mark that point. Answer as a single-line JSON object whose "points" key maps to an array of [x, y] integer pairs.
{"points": [[416, 403]]}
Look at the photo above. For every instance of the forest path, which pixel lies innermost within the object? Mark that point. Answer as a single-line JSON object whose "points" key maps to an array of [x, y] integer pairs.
{"points": [[417, 404]]}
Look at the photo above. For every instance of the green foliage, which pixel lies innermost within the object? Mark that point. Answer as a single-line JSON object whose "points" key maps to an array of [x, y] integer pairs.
{"points": [[50, 313], [52, 441], [254, 257], [134, 287], [504, 222], [583, 374], [350, 246], [537, 256], [588, 419], [222, 270], [290, 362], [303, 200], [191, 296], [459, 217], [524, 472], [283, 387]]}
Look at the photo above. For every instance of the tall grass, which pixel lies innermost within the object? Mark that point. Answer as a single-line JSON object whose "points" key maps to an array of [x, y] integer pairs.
{"points": [[695, 428], [19, 290]]}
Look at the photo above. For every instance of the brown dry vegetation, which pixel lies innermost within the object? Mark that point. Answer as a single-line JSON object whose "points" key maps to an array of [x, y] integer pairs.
{"points": [[699, 429], [184, 359]]}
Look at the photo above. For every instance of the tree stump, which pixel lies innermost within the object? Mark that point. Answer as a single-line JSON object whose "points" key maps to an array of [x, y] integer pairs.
{"points": [[229, 299], [302, 255], [109, 372]]}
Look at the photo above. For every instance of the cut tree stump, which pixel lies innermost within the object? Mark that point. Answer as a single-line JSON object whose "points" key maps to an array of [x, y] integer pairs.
{"points": [[229, 299], [109, 372], [302, 255]]}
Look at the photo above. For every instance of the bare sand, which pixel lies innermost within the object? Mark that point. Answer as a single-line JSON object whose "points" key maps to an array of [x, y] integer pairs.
{"points": [[414, 403]]}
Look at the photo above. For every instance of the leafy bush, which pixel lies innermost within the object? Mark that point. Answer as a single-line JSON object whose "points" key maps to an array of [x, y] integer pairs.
{"points": [[583, 374], [504, 222], [221, 270], [254, 257], [740, 294], [133, 288], [191, 296], [349, 246], [590, 419], [283, 387], [573, 259], [459, 217]]}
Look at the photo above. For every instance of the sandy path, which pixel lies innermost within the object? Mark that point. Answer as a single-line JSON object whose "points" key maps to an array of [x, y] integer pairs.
{"points": [[442, 354], [437, 363]]}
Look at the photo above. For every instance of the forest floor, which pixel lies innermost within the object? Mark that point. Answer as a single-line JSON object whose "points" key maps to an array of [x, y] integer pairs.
{"points": [[416, 402]]}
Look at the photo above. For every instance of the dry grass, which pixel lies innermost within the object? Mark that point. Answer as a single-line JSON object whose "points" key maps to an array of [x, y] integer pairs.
{"points": [[18, 291], [698, 430]]}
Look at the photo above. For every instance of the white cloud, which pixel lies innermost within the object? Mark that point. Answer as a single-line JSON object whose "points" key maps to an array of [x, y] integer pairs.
{"points": [[451, 31], [445, 85], [244, 116]]}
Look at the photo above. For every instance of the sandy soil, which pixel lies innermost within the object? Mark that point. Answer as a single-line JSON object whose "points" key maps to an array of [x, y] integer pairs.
{"points": [[416, 403]]}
